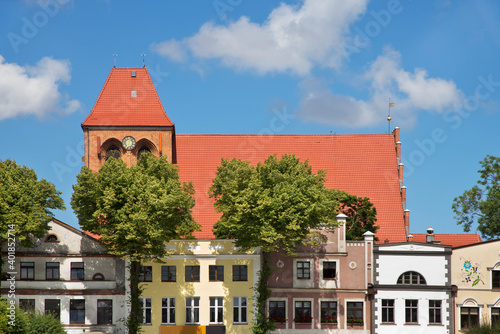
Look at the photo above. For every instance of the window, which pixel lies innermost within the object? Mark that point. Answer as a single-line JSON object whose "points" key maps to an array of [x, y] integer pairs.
{"points": [[495, 316], [192, 273], [388, 311], [143, 149], [240, 273], [303, 311], [412, 278], [52, 271], [355, 312], [168, 310], [216, 273], [51, 238], [53, 307], [146, 310], [192, 310], [77, 272], [28, 270], [77, 311], [469, 317], [277, 311], [495, 279], [146, 274], [113, 151], [411, 311], [27, 304], [104, 311], [133, 93], [434, 311], [168, 274], [303, 270], [329, 270], [98, 277], [216, 309], [329, 312], [240, 310]]}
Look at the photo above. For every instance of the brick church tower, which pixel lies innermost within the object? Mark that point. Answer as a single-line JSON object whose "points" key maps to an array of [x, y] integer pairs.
{"points": [[127, 119]]}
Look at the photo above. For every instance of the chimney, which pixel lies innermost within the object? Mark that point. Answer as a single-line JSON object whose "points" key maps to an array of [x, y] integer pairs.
{"points": [[403, 197], [429, 238], [407, 220], [410, 238], [400, 174], [398, 151], [395, 133]]}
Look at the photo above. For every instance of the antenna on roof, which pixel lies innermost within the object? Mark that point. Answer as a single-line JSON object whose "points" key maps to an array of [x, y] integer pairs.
{"points": [[114, 55], [391, 104], [143, 64]]}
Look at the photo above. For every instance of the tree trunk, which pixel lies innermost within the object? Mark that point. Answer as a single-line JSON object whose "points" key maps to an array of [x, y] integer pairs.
{"points": [[135, 318]]}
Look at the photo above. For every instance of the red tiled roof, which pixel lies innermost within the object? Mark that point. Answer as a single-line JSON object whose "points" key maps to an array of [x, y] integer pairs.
{"points": [[116, 106], [453, 240], [363, 165]]}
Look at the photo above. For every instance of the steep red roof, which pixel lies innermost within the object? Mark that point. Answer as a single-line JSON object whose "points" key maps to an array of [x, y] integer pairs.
{"points": [[363, 165], [116, 106], [453, 240]]}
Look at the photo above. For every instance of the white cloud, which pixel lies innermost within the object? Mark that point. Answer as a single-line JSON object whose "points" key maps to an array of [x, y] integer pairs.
{"points": [[293, 38], [34, 90], [386, 78]]}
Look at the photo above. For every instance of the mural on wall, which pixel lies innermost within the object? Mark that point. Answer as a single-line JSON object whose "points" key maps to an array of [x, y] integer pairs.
{"points": [[470, 273]]}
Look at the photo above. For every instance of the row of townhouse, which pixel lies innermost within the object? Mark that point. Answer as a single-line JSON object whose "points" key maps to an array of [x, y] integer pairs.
{"points": [[207, 286]]}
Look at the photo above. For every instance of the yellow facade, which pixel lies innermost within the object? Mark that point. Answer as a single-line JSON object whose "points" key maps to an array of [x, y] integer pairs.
{"points": [[202, 254]]}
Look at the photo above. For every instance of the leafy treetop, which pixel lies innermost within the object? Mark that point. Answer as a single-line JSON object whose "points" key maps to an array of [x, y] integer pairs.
{"points": [[25, 202], [481, 203]]}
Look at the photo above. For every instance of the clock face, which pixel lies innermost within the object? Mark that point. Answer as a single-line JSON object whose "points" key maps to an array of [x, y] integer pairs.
{"points": [[128, 143]]}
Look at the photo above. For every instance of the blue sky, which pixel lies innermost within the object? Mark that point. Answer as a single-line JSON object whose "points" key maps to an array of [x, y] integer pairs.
{"points": [[229, 66]]}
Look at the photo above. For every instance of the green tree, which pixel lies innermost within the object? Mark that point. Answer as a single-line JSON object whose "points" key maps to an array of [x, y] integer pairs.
{"points": [[135, 211], [481, 204], [25, 204], [275, 206], [360, 212]]}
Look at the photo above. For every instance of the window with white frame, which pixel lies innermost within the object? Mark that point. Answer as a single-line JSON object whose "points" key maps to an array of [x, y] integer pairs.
{"points": [[192, 310], [303, 311], [469, 317], [411, 311], [495, 279], [495, 316], [303, 269], [411, 278], [434, 311], [329, 270], [240, 310], [216, 309], [146, 310], [168, 310], [355, 313], [328, 312], [277, 311], [387, 311]]}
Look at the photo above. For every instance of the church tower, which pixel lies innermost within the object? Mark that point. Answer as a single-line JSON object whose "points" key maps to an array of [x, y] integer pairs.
{"points": [[127, 120]]}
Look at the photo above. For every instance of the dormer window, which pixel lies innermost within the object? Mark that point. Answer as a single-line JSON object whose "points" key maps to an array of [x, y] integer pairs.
{"points": [[133, 93], [51, 238]]}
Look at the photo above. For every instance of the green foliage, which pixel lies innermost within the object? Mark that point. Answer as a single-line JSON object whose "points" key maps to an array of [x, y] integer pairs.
{"points": [[28, 323], [25, 202], [360, 212], [135, 211], [273, 205], [262, 324], [483, 329], [481, 203]]}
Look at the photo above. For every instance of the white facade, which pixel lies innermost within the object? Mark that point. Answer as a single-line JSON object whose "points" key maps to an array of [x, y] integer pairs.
{"points": [[412, 289], [70, 272]]}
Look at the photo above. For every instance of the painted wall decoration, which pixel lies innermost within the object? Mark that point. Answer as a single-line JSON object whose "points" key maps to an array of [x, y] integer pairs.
{"points": [[470, 272]]}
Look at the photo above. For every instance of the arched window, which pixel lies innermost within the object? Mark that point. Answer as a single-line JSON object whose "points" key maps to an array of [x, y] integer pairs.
{"points": [[51, 238], [113, 151], [411, 278], [98, 277], [143, 149]]}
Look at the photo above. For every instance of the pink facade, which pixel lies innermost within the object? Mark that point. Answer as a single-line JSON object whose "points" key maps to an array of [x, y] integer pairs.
{"points": [[323, 287]]}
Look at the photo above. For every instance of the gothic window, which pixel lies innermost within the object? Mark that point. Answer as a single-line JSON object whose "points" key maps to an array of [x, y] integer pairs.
{"points": [[113, 151]]}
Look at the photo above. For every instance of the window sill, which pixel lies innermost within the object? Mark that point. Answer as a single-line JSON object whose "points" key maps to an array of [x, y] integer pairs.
{"points": [[437, 325], [411, 324], [388, 323]]}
